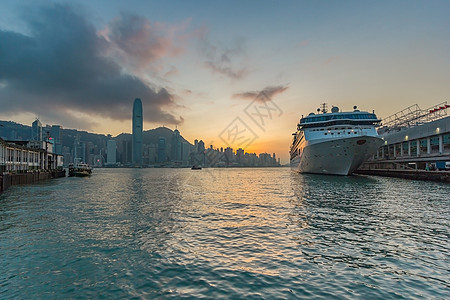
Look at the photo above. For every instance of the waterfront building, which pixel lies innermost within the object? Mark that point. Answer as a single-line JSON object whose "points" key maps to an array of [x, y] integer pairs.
{"points": [[229, 155], [196, 146], [149, 154], [79, 151], [137, 132], [24, 156], [36, 130], [68, 158], [265, 160], [162, 156], [414, 139], [98, 160], [240, 156], [52, 134], [200, 158], [185, 151], [92, 150], [221, 157], [55, 134], [111, 148], [201, 147], [124, 149]]}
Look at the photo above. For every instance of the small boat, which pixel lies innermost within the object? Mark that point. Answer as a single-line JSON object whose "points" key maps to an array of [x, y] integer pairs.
{"points": [[80, 170], [196, 167]]}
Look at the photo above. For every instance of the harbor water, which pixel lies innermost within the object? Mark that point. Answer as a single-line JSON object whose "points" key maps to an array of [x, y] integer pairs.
{"points": [[225, 233]]}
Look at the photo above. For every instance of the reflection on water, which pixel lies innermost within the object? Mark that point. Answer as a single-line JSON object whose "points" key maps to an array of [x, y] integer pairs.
{"points": [[234, 233]]}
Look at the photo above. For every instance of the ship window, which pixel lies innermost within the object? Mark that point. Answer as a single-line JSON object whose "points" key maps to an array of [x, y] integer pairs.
{"points": [[325, 133]]}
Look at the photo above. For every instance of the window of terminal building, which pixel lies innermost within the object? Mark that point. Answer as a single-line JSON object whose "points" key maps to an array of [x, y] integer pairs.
{"points": [[446, 142], [405, 148], [434, 141], [386, 152], [398, 149], [380, 152], [423, 145], [413, 148], [391, 151]]}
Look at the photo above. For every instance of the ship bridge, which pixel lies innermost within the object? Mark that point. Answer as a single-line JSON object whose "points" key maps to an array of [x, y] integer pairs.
{"points": [[335, 118]]}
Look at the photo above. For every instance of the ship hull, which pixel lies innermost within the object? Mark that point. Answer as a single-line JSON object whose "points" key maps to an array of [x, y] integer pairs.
{"points": [[337, 156]]}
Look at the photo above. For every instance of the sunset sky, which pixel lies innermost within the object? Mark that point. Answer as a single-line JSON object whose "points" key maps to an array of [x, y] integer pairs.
{"points": [[202, 65]]}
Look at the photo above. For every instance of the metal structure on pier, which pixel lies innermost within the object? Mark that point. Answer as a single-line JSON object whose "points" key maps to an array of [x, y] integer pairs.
{"points": [[413, 116]]}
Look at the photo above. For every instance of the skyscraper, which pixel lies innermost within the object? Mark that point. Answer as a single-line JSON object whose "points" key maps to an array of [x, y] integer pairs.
{"points": [[111, 148], [137, 132], [162, 150], [176, 146], [36, 130], [55, 133], [201, 147]]}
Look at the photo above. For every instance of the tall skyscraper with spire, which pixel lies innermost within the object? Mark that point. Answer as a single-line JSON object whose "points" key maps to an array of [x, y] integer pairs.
{"points": [[137, 132], [176, 146]]}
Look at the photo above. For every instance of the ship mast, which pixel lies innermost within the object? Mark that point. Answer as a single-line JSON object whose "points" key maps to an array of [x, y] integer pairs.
{"points": [[324, 108]]}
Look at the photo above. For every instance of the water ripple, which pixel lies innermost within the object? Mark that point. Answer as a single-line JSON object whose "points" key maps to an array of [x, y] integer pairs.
{"points": [[225, 233]]}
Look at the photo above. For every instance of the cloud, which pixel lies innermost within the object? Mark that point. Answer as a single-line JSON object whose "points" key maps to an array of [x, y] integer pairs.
{"points": [[303, 43], [227, 71], [268, 92], [62, 67], [172, 72], [141, 44], [331, 60], [224, 61]]}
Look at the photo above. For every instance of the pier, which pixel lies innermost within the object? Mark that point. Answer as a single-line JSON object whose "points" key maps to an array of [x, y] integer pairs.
{"points": [[416, 145], [25, 162]]}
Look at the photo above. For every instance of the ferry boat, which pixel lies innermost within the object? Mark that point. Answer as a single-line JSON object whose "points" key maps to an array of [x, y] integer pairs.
{"points": [[334, 143], [80, 170]]}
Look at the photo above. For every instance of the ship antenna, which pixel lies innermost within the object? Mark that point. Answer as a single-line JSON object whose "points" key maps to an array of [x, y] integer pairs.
{"points": [[324, 108]]}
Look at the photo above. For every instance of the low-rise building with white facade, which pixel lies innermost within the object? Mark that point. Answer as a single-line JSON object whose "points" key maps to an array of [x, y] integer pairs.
{"points": [[24, 156]]}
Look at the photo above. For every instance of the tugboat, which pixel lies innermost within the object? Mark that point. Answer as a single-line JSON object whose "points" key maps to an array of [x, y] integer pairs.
{"points": [[80, 170]]}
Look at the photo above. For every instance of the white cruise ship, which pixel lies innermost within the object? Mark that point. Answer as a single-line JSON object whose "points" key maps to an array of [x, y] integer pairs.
{"points": [[334, 143]]}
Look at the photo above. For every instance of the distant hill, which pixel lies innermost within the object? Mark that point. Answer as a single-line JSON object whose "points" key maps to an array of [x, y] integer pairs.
{"points": [[14, 131], [152, 136]]}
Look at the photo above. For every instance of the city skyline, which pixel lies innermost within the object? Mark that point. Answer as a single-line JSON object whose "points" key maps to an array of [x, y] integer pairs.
{"points": [[209, 69], [107, 151]]}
